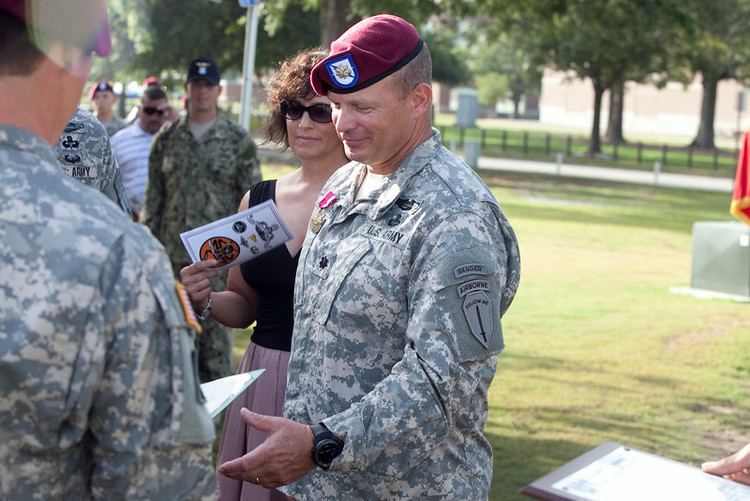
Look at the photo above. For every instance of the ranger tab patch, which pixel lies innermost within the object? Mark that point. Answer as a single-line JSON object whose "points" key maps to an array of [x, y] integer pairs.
{"points": [[470, 269]]}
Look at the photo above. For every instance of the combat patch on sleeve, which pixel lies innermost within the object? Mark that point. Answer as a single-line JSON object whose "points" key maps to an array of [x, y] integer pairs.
{"points": [[468, 284]]}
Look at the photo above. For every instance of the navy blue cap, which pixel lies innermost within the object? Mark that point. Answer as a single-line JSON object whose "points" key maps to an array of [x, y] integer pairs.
{"points": [[203, 68]]}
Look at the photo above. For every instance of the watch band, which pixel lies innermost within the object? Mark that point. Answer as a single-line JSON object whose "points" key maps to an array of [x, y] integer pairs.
{"points": [[203, 315], [326, 446]]}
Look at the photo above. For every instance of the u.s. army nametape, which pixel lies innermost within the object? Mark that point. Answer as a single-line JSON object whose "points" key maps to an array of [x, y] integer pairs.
{"points": [[238, 238]]}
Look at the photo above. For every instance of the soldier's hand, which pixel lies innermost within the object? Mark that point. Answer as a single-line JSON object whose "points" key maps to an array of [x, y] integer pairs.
{"points": [[285, 456], [197, 280], [735, 467]]}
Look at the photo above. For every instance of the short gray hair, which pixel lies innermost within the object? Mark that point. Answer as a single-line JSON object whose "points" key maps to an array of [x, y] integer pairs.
{"points": [[417, 71]]}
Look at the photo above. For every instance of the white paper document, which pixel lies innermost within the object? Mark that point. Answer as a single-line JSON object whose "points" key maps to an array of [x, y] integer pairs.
{"points": [[221, 392], [626, 474], [238, 238]]}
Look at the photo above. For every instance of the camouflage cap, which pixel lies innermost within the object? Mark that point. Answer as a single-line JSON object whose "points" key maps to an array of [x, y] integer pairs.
{"points": [[81, 23], [366, 53]]}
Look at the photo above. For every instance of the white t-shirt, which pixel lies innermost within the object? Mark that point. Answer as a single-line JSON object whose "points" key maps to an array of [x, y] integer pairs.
{"points": [[199, 129], [370, 183], [131, 147]]}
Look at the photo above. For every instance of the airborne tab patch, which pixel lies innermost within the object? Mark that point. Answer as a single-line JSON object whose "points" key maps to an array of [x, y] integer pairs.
{"points": [[473, 286]]}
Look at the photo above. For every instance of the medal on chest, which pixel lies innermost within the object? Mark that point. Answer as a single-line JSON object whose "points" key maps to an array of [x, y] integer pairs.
{"points": [[316, 221], [318, 218]]}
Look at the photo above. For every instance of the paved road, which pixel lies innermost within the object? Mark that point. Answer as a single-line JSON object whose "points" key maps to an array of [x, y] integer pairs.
{"points": [[571, 170], [609, 174]]}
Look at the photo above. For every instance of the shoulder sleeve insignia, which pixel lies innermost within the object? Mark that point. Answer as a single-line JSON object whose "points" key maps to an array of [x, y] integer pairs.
{"points": [[478, 312], [187, 308]]}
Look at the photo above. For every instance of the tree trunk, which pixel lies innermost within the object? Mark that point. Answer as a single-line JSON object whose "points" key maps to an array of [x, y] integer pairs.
{"points": [[334, 20], [595, 143], [616, 106], [516, 98], [705, 137]]}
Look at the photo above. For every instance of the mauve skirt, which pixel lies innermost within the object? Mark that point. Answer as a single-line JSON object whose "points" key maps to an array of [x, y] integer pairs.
{"points": [[264, 396]]}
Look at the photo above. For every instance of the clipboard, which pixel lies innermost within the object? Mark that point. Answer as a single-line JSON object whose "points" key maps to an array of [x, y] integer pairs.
{"points": [[615, 472], [221, 392]]}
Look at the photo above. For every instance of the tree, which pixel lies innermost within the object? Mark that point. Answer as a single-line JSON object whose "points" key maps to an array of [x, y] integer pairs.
{"points": [[500, 55], [606, 41], [448, 57], [720, 50]]}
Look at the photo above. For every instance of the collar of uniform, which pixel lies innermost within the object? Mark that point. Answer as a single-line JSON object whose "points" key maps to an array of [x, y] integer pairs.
{"points": [[25, 141], [217, 131], [401, 177]]}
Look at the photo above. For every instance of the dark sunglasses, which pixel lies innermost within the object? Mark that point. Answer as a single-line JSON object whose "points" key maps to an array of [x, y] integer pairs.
{"points": [[318, 112], [150, 110]]}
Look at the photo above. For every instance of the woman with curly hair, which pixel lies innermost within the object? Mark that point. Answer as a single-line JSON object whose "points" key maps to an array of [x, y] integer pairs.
{"points": [[262, 289]]}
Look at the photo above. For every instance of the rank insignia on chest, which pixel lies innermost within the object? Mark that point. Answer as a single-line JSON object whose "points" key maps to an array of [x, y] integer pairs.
{"points": [[316, 221]]}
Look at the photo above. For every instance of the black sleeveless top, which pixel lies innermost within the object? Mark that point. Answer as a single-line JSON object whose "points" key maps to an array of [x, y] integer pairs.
{"points": [[271, 275]]}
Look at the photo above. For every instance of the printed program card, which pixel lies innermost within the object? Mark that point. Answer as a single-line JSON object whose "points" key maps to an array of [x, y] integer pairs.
{"points": [[238, 238]]}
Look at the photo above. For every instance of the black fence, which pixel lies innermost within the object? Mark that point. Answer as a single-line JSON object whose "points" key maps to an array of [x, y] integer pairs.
{"points": [[495, 142]]}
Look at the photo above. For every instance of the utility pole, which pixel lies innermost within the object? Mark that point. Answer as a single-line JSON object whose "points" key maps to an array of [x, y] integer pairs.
{"points": [[248, 61]]}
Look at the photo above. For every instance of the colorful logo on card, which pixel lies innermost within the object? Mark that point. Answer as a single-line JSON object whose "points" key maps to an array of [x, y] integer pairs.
{"points": [[223, 249]]}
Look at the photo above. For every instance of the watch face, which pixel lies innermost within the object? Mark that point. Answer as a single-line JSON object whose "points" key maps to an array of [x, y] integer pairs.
{"points": [[326, 451]]}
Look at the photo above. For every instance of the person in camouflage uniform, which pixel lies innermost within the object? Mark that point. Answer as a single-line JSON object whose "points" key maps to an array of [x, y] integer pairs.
{"points": [[85, 153], [407, 267], [199, 166], [99, 393], [103, 99]]}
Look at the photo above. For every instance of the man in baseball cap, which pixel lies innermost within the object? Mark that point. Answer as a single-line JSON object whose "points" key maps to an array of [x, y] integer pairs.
{"points": [[100, 399], [203, 68], [407, 272]]}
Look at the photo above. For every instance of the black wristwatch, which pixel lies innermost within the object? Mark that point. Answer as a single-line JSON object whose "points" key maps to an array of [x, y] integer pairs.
{"points": [[326, 446]]}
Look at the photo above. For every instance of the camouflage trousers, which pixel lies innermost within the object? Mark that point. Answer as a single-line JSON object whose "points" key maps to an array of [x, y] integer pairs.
{"points": [[214, 344]]}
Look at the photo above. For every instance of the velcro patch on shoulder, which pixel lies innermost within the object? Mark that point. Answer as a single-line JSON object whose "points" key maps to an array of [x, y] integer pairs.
{"points": [[466, 270], [187, 308], [478, 311], [472, 286]]}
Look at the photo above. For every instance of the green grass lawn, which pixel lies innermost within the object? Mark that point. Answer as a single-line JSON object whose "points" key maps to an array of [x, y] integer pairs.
{"points": [[597, 348]]}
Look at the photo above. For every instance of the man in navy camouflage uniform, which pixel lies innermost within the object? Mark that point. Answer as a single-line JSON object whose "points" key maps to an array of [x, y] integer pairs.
{"points": [[199, 166], [407, 267], [99, 393]]}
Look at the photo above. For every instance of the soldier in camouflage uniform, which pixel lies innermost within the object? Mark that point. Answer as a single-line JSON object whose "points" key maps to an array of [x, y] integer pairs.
{"points": [[407, 268], [99, 393], [200, 165], [85, 153], [103, 98]]}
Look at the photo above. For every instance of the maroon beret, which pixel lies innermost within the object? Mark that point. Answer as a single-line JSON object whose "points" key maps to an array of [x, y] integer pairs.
{"points": [[98, 86], [366, 53], [81, 23]]}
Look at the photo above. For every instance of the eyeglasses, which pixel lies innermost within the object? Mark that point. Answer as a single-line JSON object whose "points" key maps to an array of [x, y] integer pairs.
{"points": [[318, 112], [150, 110]]}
